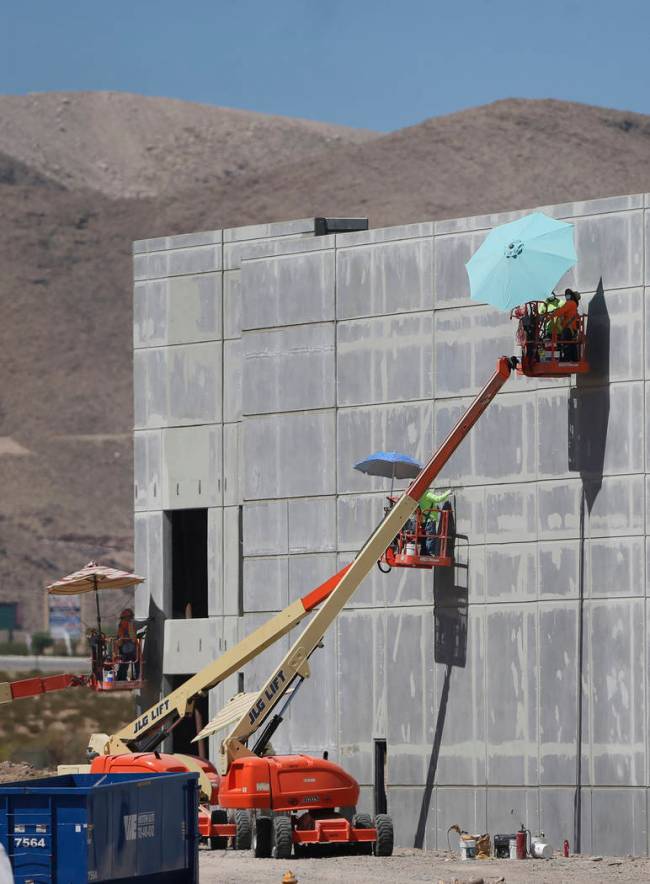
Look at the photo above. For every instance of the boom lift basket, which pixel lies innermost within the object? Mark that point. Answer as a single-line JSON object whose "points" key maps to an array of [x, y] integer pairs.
{"points": [[543, 351], [108, 665], [419, 544]]}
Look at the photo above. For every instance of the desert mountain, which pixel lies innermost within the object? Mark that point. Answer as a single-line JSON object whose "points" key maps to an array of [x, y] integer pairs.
{"points": [[129, 146], [82, 175], [505, 155]]}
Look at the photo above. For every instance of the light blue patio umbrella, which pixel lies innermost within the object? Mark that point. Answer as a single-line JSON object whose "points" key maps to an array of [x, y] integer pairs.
{"points": [[521, 261]]}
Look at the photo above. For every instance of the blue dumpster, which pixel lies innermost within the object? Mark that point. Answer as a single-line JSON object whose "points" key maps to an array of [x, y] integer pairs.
{"points": [[102, 827]]}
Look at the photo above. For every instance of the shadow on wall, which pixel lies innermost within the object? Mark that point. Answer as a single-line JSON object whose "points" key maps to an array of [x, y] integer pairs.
{"points": [[588, 422], [153, 658], [589, 403], [450, 649]]}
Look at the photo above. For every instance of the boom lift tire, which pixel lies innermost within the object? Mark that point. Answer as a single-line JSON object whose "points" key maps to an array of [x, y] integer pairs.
{"points": [[262, 836], [217, 817], [384, 844], [282, 837], [243, 833], [362, 821]]}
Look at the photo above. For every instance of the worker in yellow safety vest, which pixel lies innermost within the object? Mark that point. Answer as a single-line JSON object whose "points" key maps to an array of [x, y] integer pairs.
{"points": [[546, 308], [429, 506]]}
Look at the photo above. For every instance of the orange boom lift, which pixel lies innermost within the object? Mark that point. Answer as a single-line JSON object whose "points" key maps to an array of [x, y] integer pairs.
{"points": [[297, 800]]}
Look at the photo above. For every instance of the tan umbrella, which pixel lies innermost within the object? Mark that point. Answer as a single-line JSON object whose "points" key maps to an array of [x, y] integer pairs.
{"points": [[92, 578]]}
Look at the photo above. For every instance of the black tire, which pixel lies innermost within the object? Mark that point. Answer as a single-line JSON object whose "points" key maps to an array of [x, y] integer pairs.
{"points": [[384, 843], [262, 837], [243, 834], [219, 842], [362, 821], [282, 837]]}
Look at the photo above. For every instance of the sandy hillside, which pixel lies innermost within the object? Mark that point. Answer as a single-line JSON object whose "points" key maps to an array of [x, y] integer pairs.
{"points": [[506, 155], [129, 145]]}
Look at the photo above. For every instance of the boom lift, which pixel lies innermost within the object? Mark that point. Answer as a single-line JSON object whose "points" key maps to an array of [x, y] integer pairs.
{"points": [[293, 799], [133, 748], [112, 668]]}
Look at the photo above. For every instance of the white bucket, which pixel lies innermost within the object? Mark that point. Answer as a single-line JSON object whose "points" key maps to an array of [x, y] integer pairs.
{"points": [[542, 850], [512, 844], [409, 549], [467, 849]]}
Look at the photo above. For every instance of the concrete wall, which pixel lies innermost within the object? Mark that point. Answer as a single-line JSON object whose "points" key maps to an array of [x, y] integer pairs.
{"points": [[267, 362]]}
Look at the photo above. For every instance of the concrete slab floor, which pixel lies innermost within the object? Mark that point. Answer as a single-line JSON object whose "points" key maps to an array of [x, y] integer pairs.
{"points": [[415, 866]]}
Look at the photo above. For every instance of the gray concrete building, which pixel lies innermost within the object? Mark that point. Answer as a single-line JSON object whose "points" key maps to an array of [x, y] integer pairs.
{"points": [[511, 688]]}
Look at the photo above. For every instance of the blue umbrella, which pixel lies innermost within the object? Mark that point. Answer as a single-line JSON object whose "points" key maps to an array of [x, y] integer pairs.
{"points": [[390, 464], [521, 261]]}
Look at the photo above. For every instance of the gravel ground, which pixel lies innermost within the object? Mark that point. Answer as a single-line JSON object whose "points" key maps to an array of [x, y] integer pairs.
{"points": [[414, 866], [13, 771]]}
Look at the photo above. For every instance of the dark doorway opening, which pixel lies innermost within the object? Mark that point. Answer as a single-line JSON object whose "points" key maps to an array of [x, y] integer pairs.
{"points": [[189, 726], [381, 802], [189, 563]]}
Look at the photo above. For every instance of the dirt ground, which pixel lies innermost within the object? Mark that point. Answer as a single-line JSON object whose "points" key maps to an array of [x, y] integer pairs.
{"points": [[414, 866], [14, 771]]}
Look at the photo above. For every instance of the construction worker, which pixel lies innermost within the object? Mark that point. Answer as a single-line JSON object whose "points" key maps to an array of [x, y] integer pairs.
{"points": [[566, 320], [550, 304], [429, 506], [96, 642], [547, 307], [126, 644]]}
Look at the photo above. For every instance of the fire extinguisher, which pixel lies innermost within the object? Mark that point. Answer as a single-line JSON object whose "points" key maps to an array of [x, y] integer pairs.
{"points": [[522, 842]]}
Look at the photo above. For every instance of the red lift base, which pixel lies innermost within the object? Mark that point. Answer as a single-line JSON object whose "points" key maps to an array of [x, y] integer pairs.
{"points": [[333, 830]]}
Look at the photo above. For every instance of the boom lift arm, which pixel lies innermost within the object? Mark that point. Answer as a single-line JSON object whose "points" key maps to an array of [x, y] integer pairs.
{"points": [[147, 731], [295, 665]]}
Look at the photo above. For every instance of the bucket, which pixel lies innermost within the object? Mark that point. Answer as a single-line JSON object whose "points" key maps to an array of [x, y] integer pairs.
{"points": [[109, 676], [467, 848], [541, 849], [409, 549]]}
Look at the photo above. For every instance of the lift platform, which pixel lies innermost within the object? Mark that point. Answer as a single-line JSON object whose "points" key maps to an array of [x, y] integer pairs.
{"points": [[543, 351], [424, 542], [108, 665]]}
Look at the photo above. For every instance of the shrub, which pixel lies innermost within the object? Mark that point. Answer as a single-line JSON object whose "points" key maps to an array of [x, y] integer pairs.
{"points": [[40, 641], [14, 648]]}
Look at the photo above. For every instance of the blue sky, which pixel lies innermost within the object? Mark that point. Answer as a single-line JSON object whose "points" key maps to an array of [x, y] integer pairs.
{"points": [[369, 63]]}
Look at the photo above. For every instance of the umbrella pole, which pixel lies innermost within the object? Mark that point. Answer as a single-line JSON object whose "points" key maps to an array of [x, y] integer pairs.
{"points": [[100, 642], [99, 616]]}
